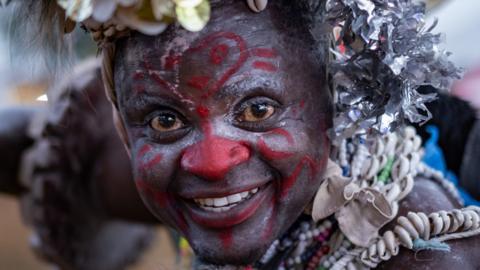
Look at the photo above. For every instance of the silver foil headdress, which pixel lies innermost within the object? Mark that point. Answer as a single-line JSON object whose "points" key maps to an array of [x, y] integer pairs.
{"points": [[384, 52]]}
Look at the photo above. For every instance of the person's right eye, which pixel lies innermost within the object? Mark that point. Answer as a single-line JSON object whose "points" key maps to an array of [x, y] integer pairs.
{"points": [[166, 121]]}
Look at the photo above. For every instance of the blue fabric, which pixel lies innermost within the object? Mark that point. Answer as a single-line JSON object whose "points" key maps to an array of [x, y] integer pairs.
{"points": [[432, 244], [434, 158]]}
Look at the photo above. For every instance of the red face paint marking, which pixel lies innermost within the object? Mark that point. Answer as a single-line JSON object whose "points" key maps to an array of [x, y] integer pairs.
{"points": [[151, 163], [203, 112], [265, 66], [288, 182], [214, 156], [284, 133], [226, 237], [144, 150], [181, 221], [148, 164], [269, 153], [163, 83], [198, 82], [302, 104], [171, 62], [161, 198], [218, 54], [138, 76], [264, 52], [240, 45]]}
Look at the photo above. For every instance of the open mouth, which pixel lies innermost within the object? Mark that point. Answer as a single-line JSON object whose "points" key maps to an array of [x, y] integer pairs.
{"points": [[225, 203], [229, 210]]}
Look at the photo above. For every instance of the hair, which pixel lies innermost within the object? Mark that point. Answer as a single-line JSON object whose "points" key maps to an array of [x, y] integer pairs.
{"points": [[39, 26]]}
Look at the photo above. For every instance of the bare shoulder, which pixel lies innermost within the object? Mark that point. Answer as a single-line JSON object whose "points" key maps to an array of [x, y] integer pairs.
{"points": [[427, 196]]}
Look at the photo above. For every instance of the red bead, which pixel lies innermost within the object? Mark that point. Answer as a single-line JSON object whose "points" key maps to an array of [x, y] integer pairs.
{"points": [[325, 249]]}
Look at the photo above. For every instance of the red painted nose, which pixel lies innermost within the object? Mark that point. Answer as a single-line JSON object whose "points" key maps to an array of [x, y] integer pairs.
{"points": [[214, 157]]}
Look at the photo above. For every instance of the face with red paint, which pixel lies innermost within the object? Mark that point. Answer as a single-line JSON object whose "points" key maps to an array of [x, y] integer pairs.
{"points": [[226, 127]]}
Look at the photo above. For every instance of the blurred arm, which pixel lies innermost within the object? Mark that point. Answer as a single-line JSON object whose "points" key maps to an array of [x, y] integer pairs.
{"points": [[14, 140]]}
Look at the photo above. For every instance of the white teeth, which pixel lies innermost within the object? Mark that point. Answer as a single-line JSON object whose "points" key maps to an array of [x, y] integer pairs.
{"points": [[234, 198], [224, 203], [220, 202], [208, 202]]}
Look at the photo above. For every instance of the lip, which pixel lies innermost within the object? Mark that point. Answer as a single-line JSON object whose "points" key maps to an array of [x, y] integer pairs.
{"points": [[236, 215], [224, 192]]}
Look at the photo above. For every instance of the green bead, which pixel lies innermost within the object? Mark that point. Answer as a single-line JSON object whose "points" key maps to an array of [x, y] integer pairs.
{"points": [[385, 173]]}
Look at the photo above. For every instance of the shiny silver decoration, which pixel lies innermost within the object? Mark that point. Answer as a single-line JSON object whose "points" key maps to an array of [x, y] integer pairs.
{"points": [[376, 83]]}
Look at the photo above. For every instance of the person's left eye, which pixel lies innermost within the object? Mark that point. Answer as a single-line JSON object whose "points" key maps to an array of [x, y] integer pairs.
{"points": [[256, 112]]}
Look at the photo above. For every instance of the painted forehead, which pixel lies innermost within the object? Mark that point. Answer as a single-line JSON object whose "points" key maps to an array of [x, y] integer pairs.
{"points": [[241, 32], [207, 61]]}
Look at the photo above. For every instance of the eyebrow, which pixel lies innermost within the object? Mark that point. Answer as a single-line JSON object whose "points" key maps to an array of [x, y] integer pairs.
{"points": [[155, 76], [250, 85]]}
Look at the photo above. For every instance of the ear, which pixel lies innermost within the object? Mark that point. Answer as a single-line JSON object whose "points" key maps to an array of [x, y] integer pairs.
{"points": [[122, 132]]}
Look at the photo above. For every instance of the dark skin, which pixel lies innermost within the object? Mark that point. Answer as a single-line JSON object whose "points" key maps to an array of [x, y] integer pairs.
{"points": [[226, 116], [429, 197], [181, 111]]}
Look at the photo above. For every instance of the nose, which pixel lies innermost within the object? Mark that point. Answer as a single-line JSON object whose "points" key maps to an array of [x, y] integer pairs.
{"points": [[213, 157]]}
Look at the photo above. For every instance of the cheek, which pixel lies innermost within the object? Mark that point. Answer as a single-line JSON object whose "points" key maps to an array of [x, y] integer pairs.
{"points": [[153, 174], [298, 158], [148, 162]]}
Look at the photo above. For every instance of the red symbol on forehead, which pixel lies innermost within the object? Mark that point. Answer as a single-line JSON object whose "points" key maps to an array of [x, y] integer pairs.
{"points": [[218, 53], [265, 66], [171, 61], [264, 52], [198, 82]]}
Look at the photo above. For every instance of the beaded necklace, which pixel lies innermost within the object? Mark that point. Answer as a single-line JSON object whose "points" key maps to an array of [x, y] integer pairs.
{"points": [[303, 245]]}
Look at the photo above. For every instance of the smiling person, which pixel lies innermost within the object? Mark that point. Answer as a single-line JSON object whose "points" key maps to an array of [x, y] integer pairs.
{"points": [[247, 138]]}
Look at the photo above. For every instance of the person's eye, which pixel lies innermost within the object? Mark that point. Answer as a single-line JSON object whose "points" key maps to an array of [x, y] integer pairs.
{"points": [[257, 112], [166, 121]]}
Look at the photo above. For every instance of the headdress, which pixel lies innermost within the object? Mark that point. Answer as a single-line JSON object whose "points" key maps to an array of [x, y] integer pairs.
{"points": [[383, 52]]}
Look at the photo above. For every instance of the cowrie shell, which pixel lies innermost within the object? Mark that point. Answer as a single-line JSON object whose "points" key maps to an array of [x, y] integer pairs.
{"points": [[257, 5]]}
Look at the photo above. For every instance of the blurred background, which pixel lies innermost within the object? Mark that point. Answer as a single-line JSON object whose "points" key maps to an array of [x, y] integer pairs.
{"points": [[25, 81]]}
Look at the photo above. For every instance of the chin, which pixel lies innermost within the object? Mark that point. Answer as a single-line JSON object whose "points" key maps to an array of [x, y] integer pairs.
{"points": [[232, 256]]}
